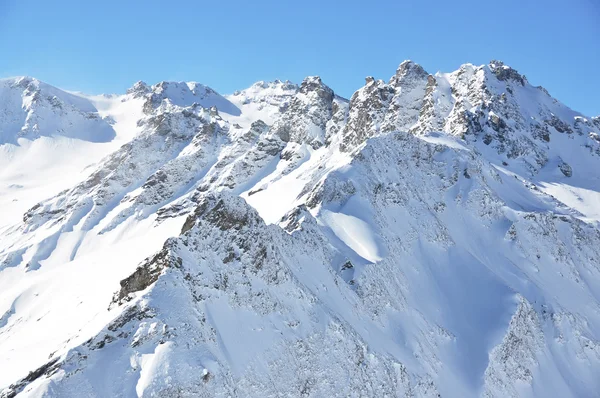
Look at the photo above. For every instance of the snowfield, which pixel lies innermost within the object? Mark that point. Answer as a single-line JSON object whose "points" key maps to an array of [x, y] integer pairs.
{"points": [[435, 235]]}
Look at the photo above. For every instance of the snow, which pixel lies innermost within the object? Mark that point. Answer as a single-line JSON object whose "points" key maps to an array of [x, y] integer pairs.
{"points": [[443, 139], [278, 195], [150, 365], [325, 252], [262, 101], [355, 233], [79, 275], [66, 299]]}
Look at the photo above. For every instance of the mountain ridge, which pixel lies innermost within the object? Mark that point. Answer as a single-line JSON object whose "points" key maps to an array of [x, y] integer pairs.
{"points": [[432, 235]]}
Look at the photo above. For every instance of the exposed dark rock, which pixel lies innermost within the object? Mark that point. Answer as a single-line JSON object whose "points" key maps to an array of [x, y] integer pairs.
{"points": [[131, 313], [542, 89], [223, 217], [504, 72], [156, 178], [497, 123], [147, 273], [48, 369], [311, 107], [559, 125], [367, 108], [565, 169], [541, 132]]}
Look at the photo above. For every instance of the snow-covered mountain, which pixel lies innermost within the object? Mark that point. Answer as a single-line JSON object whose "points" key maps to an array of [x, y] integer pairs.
{"points": [[435, 235]]}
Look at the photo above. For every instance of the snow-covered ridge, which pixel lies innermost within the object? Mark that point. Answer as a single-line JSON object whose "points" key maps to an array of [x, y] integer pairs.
{"points": [[182, 94], [31, 109], [435, 235]]}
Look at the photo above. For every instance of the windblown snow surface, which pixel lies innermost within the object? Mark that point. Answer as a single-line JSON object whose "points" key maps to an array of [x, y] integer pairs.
{"points": [[435, 235]]}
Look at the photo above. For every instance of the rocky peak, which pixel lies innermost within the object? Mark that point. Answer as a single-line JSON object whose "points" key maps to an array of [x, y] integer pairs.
{"points": [[313, 84], [306, 116], [139, 89], [257, 129], [275, 84], [184, 94], [20, 82], [227, 212], [367, 110], [313, 290], [276, 94], [408, 70], [506, 73], [32, 109], [410, 84], [380, 107], [259, 125]]}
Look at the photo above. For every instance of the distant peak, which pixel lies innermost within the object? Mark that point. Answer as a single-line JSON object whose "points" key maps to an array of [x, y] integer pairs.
{"points": [[312, 80], [165, 84], [173, 89], [23, 79], [140, 84], [22, 82], [265, 88], [496, 63], [138, 89], [262, 84]]}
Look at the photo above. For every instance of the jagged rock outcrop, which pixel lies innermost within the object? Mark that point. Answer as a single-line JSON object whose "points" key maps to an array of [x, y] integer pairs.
{"points": [[410, 83], [366, 113], [306, 116]]}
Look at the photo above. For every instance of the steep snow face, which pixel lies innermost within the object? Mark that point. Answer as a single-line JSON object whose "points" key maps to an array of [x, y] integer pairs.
{"points": [[435, 235], [427, 219]]}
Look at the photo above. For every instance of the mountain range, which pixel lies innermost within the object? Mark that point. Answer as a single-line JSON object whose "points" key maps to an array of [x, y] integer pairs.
{"points": [[434, 235]]}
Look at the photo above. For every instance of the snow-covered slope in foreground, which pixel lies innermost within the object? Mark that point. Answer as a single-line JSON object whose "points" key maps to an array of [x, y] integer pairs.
{"points": [[435, 235]]}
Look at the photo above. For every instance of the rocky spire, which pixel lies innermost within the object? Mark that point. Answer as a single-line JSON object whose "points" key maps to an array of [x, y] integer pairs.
{"points": [[408, 70], [505, 73], [139, 89], [306, 117], [410, 84], [366, 112]]}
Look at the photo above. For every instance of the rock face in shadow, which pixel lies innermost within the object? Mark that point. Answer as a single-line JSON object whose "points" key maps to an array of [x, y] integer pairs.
{"points": [[147, 273]]}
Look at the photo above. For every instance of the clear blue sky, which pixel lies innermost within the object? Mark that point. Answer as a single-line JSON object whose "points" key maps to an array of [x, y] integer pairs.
{"points": [[105, 46]]}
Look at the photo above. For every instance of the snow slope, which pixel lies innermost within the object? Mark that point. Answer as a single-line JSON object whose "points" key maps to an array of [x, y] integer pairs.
{"points": [[435, 235]]}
